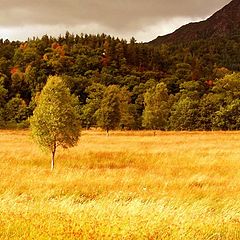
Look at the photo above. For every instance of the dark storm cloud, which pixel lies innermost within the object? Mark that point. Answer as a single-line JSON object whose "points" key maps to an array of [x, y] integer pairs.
{"points": [[113, 14]]}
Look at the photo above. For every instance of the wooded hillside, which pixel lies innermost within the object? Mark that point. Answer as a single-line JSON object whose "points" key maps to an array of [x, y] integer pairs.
{"points": [[183, 86]]}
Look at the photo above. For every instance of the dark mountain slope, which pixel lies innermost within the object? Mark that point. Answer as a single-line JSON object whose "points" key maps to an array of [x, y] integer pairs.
{"points": [[224, 23]]}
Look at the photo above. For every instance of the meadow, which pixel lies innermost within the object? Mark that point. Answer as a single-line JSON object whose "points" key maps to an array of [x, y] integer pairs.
{"points": [[130, 185]]}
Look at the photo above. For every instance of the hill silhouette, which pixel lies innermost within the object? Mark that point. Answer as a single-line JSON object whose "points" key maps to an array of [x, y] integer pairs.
{"points": [[223, 23]]}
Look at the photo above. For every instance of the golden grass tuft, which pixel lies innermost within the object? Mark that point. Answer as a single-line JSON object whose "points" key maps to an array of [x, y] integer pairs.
{"points": [[131, 185]]}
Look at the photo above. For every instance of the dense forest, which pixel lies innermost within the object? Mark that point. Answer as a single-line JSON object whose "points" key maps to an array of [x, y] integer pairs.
{"points": [[191, 86]]}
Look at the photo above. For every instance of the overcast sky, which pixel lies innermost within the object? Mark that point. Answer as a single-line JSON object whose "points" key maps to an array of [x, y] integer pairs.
{"points": [[143, 19]]}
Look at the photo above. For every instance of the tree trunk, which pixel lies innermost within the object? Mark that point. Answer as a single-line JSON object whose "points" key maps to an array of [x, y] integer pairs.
{"points": [[53, 157], [107, 132]]}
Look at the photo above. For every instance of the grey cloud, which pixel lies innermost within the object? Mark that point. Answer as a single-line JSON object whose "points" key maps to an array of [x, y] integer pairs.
{"points": [[114, 14]]}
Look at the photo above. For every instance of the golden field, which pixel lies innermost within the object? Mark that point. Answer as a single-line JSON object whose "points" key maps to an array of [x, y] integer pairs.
{"points": [[130, 185]]}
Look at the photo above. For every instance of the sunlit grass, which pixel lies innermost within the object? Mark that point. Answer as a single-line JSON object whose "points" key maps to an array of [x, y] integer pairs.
{"points": [[130, 185]]}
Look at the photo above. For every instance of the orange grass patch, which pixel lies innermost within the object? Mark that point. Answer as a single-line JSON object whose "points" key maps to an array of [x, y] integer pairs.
{"points": [[130, 185]]}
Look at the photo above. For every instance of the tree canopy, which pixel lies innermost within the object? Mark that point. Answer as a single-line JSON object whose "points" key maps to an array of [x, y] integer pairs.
{"points": [[157, 108], [202, 74], [55, 121], [109, 111]]}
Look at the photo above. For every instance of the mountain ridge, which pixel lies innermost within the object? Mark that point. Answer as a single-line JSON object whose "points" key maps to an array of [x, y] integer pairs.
{"points": [[224, 22]]}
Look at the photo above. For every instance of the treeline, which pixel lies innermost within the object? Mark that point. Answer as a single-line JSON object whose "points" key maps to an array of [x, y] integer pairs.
{"points": [[168, 87]]}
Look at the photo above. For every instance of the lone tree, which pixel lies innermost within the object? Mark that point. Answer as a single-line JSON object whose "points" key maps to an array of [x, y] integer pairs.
{"points": [[55, 121]]}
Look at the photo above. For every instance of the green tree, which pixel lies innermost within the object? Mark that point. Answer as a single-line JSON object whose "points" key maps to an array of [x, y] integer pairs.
{"points": [[16, 111], [227, 118], [93, 102], [55, 121], [126, 110], [156, 112], [3, 94], [109, 113], [184, 114], [183, 72], [228, 87], [191, 89], [208, 106]]}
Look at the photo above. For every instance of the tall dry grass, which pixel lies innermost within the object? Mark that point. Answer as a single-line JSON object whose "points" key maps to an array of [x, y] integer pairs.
{"points": [[130, 185]]}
